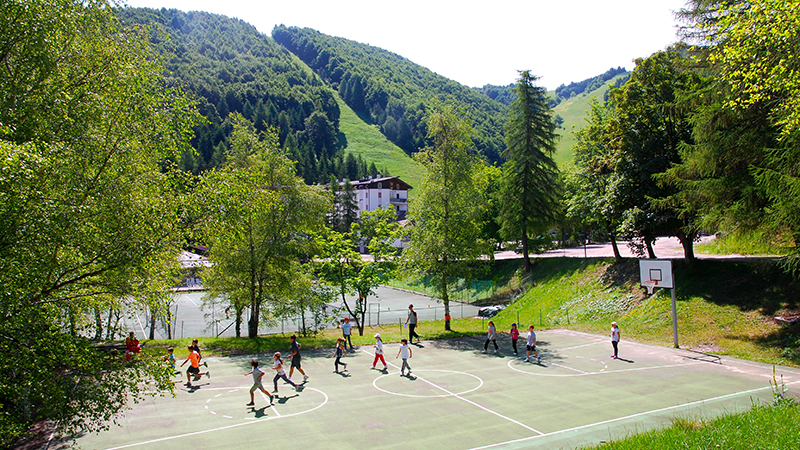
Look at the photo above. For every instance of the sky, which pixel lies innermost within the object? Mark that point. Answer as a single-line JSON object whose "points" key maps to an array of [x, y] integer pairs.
{"points": [[476, 42]]}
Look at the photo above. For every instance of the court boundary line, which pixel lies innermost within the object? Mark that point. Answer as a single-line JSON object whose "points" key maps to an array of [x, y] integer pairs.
{"points": [[430, 396], [630, 416], [601, 372], [227, 427], [464, 399]]}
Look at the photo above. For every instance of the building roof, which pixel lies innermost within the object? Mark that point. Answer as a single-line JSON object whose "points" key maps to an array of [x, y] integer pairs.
{"points": [[372, 183]]}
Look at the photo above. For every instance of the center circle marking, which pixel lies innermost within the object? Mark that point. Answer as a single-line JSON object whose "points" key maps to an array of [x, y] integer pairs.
{"points": [[324, 401], [480, 384]]}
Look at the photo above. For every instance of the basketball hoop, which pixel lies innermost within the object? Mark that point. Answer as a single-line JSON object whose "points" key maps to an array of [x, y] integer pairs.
{"points": [[650, 285]]}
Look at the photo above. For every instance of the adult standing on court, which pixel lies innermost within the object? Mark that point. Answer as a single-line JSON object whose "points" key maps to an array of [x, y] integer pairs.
{"points": [[295, 355], [614, 338], [531, 346], [346, 327], [411, 321], [491, 336]]}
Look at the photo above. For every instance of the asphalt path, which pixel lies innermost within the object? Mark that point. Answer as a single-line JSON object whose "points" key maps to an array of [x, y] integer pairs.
{"points": [[664, 248]]}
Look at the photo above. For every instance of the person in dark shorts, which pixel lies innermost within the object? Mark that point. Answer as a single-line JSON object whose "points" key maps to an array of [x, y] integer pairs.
{"points": [[531, 346], [615, 339], [295, 355], [338, 353], [411, 321], [194, 367], [346, 328]]}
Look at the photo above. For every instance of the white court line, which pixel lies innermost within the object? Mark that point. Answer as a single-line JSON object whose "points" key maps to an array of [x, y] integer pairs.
{"points": [[602, 372], [466, 400], [569, 368], [141, 327], [618, 419], [271, 405], [227, 427], [579, 346], [190, 299]]}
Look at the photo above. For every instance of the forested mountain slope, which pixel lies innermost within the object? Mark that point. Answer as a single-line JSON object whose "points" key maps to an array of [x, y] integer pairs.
{"points": [[228, 66], [392, 92], [573, 112]]}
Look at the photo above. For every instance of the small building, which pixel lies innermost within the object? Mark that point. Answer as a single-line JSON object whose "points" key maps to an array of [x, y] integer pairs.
{"points": [[382, 192]]}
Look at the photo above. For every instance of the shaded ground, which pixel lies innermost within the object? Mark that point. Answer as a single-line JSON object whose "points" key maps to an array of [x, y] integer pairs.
{"points": [[457, 398]]}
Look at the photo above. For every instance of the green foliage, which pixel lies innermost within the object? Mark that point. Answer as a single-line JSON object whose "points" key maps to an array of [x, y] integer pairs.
{"points": [[588, 85], [591, 186], [530, 190], [340, 265], [444, 219], [88, 211], [743, 169], [368, 144], [256, 216], [575, 112], [390, 91], [760, 428], [230, 67]]}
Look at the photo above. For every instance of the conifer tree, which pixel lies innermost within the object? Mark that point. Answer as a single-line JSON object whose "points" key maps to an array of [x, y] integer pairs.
{"points": [[531, 188]]}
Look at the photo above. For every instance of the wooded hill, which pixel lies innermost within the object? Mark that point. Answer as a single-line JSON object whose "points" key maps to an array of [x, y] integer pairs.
{"points": [[292, 82], [392, 92], [228, 66]]}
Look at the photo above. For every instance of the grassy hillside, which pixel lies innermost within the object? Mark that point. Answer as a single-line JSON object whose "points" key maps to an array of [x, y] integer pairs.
{"points": [[573, 111], [367, 141], [724, 307]]}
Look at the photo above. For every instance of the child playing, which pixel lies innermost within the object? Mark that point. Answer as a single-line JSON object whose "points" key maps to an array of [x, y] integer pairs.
{"points": [[279, 372], [614, 338], [514, 337], [378, 351], [170, 359], [492, 336], [405, 352], [257, 375], [196, 347], [338, 352], [531, 347], [194, 367]]}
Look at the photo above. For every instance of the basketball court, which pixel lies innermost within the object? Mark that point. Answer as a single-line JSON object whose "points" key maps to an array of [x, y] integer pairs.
{"points": [[457, 398]]}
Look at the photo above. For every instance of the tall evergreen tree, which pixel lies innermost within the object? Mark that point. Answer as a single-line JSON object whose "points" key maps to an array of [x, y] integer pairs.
{"points": [[531, 187]]}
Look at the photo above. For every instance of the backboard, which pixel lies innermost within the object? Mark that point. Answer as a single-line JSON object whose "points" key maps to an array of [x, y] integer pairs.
{"points": [[658, 270]]}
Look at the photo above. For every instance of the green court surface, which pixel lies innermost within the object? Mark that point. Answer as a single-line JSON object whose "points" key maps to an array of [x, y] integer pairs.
{"points": [[457, 398]]}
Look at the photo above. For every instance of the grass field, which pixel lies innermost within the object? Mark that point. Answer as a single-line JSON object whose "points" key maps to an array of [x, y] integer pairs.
{"points": [[368, 142], [457, 398], [573, 111]]}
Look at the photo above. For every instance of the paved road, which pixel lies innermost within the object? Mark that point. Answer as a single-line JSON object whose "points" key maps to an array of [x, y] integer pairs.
{"points": [[664, 247]]}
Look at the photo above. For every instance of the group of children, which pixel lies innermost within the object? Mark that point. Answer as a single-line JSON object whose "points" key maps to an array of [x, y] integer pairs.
{"points": [[404, 352], [530, 346]]}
